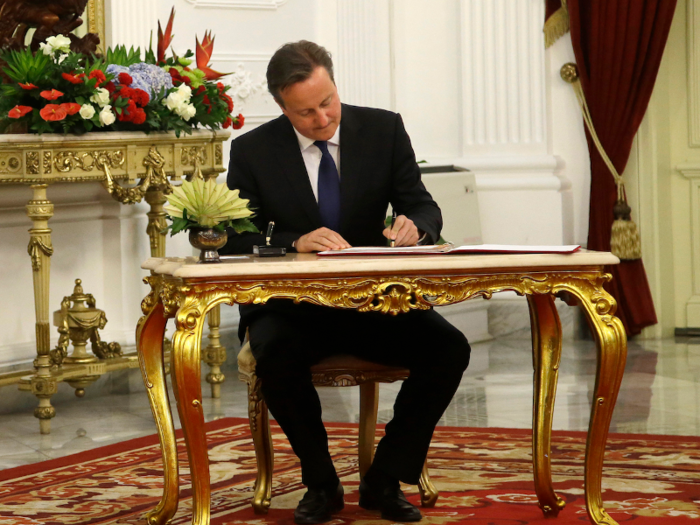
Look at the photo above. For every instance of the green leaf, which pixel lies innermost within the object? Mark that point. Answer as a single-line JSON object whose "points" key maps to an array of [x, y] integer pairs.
{"points": [[244, 225]]}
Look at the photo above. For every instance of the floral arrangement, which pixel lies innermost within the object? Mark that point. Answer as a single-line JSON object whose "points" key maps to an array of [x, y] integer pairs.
{"points": [[59, 91], [200, 204]]}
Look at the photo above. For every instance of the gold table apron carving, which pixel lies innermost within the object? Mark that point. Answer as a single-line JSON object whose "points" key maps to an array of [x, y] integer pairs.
{"points": [[186, 291]]}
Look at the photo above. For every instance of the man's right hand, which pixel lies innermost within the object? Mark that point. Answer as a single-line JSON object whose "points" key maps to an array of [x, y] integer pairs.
{"points": [[320, 240]]}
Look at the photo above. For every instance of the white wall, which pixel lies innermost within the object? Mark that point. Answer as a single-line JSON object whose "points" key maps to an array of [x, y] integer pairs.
{"points": [[470, 78]]}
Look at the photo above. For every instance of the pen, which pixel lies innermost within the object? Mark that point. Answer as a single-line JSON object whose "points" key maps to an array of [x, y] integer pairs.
{"points": [[393, 220], [268, 236]]}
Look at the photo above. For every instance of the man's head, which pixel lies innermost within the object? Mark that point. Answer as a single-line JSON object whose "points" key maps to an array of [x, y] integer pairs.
{"points": [[300, 78]]}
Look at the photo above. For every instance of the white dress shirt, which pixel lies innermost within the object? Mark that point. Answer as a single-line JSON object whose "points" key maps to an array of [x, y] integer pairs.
{"points": [[312, 156]]}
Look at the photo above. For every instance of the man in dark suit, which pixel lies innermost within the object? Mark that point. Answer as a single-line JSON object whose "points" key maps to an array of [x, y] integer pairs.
{"points": [[327, 185]]}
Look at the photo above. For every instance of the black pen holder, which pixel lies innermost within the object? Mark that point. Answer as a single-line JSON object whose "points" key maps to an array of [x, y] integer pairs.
{"points": [[269, 251]]}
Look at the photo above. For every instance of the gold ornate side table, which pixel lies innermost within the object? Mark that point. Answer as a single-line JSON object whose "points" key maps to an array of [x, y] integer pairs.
{"points": [[131, 166], [186, 291]]}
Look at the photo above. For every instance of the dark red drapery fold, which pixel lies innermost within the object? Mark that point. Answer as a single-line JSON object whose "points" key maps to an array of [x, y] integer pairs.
{"points": [[551, 7], [618, 46]]}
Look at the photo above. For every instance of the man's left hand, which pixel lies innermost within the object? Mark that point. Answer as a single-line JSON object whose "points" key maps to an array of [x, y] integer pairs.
{"points": [[404, 232]]}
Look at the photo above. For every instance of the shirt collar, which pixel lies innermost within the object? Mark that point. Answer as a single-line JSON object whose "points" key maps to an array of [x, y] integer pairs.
{"points": [[305, 142]]}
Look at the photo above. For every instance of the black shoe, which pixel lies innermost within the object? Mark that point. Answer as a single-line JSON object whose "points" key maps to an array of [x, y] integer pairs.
{"points": [[390, 501], [318, 505]]}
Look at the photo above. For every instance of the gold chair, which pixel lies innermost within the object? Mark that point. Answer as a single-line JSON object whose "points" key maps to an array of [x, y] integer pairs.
{"points": [[341, 370]]}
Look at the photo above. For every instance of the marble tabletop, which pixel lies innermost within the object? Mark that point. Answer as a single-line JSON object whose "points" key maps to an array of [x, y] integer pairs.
{"points": [[301, 264]]}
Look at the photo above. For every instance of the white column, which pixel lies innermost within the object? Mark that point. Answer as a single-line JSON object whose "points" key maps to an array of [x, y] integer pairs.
{"points": [[362, 62], [693, 55], [503, 77], [130, 22]]}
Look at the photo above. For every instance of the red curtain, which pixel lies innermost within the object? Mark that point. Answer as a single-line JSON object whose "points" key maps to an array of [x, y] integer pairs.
{"points": [[618, 46]]}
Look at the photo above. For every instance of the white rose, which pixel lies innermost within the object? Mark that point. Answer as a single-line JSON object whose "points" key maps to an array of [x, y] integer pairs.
{"points": [[101, 97], [87, 111], [106, 116], [186, 111], [174, 100], [59, 43], [185, 91], [46, 48], [61, 58]]}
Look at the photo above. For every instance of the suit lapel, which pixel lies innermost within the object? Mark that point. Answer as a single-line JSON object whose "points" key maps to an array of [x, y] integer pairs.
{"points": [[292, 165], [351, 160]]}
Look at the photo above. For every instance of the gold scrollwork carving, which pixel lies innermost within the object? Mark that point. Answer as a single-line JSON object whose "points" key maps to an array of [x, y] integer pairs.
{"points": [[171, 296], [47, 162], [193, 156], [66, 161], [37, 247], [218, 154], [152, 298], [32, 162]]}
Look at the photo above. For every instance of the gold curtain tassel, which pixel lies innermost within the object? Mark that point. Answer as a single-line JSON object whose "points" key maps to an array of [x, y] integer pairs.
{"points": [[624, 239]]}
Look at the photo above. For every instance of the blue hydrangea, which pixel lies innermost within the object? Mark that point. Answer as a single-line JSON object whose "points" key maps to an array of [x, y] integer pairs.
{"points": [[148, 77]]}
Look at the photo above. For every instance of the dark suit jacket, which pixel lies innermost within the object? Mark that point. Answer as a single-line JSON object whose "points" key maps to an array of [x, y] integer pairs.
{"points": [[377, 167]]}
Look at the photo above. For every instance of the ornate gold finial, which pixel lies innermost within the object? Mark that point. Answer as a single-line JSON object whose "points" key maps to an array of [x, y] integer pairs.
{"points": [[569, 72]]}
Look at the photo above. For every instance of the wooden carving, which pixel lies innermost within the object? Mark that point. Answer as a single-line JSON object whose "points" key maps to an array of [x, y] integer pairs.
{"points": [[49, 17]]}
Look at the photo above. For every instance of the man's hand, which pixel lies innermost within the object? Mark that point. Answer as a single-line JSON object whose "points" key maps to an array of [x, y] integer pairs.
{"points": [[320, 240], [404, 232]]}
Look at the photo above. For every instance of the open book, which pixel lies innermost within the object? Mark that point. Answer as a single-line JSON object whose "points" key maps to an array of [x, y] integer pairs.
{"points": [[451, 249]]}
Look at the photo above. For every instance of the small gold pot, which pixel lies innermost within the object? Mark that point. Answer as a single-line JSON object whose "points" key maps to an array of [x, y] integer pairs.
{"points": [[208, 240]]}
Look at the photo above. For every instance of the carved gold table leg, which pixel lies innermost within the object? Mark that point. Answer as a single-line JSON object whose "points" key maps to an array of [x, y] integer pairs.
{"points": [[185, 361], [546, 353], [262, 440], [428, 492], [155, 197], [612, 353], [40, 249], [149, 337], [215, 353]]}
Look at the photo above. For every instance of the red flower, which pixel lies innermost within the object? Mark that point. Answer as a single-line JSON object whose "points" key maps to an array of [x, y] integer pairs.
{"points": [[99, 75], [238, 123], [164, 38], [28, 85], [139, 116], [109, 86], [51, 95], [140, 97], [19, 111], [73, 79], [200, 90], [128, 112], [125, 92], [53, 112], [203, 55], [71, 107], [125, 78], [228, 100], [187, 80], [175, 75], [220, 86], [227, 122]]}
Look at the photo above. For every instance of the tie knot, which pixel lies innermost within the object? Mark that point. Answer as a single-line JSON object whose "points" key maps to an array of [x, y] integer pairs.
{"points": [[322, 145]]}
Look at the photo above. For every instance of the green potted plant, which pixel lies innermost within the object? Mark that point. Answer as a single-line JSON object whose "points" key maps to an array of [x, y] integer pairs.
{"points": [[206, 209]]}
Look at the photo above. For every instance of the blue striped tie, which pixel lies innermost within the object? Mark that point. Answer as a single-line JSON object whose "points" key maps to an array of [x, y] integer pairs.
{"points": [[328, 189]]}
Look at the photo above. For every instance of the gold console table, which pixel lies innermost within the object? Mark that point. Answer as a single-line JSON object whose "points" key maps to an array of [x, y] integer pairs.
{"points": [[131, 166], [186, 291]]}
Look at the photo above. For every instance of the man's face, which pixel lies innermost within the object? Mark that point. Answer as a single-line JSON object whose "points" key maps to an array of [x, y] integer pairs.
{"points": [[313, 106]]}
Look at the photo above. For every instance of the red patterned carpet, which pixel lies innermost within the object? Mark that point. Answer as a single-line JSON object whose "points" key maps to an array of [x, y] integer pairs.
{"points": [[484, 476]]}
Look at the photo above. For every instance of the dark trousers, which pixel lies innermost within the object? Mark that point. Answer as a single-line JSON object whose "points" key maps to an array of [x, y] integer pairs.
{"points": [[287, 341]]}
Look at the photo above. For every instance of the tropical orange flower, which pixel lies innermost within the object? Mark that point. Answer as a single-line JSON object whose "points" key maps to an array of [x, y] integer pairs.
{"points": [[19, 111], [51, 95], [73, 79], [53, 112], [28, 85], [203, 55], [71, 107]]}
